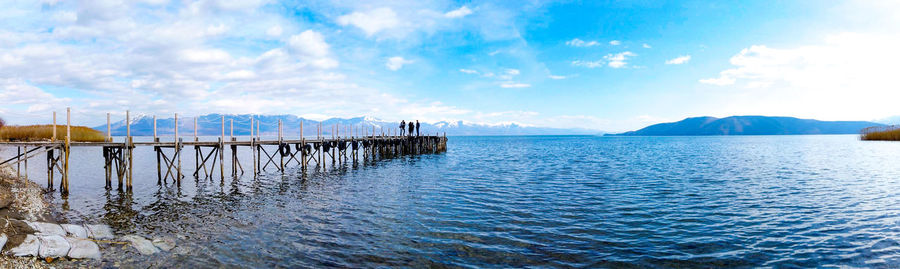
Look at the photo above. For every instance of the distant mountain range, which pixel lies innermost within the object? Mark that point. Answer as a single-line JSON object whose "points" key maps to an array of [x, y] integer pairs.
{"points": [[211, 125], [751, 125]]}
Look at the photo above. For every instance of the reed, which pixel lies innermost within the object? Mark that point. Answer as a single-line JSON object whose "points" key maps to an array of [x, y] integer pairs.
{"points": [[885, 133], [45, 133]]}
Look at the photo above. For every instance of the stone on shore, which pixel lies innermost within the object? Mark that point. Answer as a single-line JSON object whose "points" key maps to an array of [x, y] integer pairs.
{"points": [[28, 247], [47, 228], [53, 246], [83, 249], [144, 246], [3, 240], [164, 243], [99, 231], [73, 230]]}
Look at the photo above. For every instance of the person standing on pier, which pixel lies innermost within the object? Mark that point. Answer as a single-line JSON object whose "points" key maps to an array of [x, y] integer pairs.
{"points": [[402, 127], [411, 126], [418, 127]]}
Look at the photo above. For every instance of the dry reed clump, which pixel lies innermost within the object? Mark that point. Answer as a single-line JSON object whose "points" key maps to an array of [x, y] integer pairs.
{"points": [[885, 133], [45, 132]]}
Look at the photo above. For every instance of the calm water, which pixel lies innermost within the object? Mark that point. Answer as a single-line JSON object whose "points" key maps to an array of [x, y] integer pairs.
{"points": [[580, 201]]}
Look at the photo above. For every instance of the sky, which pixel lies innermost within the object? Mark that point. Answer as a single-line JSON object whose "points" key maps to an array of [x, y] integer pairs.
{"points": [[602, 65]]}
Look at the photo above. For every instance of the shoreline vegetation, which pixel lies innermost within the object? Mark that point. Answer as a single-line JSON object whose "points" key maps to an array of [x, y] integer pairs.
{"points": [[29, 133], [881, 133]]}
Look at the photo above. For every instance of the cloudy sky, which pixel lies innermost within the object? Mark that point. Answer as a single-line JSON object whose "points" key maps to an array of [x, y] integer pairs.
{"points": [[605, 65]]}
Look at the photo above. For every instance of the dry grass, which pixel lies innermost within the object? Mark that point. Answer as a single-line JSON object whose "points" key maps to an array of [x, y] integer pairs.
{"points": [[888, 133], [45, 132]]}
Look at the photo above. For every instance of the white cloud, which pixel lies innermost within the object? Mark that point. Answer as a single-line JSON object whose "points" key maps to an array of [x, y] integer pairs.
{"points": [[615, 42], [646, 46], [205, 55], [588, 64], [556, 77], [618, 60], [397, 62], [372, 21], [848, 76], [310, 43], [512, 72], [216, 29], [468, 71], [581, 43], [459, 13], [274, 31], [514, 85], [679, 60], [720, 81], [311, 47]]}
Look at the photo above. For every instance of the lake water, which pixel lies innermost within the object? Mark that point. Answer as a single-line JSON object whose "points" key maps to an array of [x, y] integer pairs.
{"points": [[548, 201]]}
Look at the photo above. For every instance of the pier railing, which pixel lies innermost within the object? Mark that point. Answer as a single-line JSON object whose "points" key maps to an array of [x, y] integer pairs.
{"points": [[356, 143]]}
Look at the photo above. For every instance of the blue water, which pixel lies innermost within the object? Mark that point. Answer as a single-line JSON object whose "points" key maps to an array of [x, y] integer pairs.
{"points": [[560, 201]]}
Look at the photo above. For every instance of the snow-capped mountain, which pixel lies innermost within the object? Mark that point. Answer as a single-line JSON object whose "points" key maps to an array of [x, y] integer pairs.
{"points": [[211, 125]]}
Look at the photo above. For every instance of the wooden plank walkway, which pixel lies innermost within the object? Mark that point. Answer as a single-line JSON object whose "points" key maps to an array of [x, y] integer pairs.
{"points": [[301, 151]]}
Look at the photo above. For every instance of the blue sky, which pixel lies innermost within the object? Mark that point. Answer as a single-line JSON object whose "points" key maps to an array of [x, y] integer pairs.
{"points": [[605, 65]]}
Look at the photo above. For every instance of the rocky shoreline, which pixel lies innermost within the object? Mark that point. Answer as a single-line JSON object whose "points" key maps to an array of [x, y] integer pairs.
{"points": [[31, 238]]}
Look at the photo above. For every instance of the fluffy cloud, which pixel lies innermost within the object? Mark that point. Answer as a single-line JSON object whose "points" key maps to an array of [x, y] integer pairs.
{"points": [[397, 62], [588, 64], [615, 42], [372, 21], [618, 60], [679, 60], [459, 13], [847, 76], [575, 42], [274, 31], [468, 71], [514, 85]]}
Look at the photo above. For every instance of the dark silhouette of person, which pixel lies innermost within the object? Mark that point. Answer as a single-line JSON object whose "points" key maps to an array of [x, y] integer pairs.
{"points": [[411, 126], [418, 128], [402, 127]]}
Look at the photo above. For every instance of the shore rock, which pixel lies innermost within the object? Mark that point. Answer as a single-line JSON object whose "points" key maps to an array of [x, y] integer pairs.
{"points": [[47, 228], [99, 231], [83, 249], [73, 230], [28, 247], [144, 246], [53, 246], [3, 240], [164, 243]]}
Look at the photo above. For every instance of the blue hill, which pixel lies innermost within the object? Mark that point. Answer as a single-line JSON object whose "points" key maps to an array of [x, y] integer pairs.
{"points": [[751, 125]]}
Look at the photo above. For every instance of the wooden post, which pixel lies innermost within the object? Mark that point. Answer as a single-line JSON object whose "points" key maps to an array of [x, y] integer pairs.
{"points": [[65, 178], [321, 151], [155, 139], [54, 126], [222, 150], [253, 144], [129, 148], [26, 162], [177, 150], [280, 144], [232, 129], [302, 146]]}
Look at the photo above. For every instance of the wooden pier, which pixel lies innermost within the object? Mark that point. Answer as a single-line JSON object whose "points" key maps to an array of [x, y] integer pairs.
{"points": [[358, 143]]}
